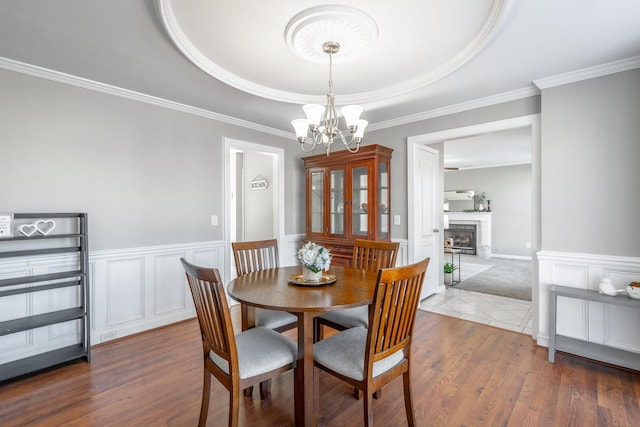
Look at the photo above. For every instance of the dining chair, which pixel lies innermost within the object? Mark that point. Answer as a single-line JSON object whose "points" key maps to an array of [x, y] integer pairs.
{"points": [[255, 256], [368, 255], [237, 361], [370, 358]]}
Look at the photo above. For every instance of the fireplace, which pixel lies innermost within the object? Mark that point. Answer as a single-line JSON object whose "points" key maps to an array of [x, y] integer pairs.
{"points": [[464, 237], [482, 223]]}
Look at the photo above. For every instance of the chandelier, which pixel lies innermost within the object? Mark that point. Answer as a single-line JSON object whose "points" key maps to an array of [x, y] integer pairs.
{"points": [[322, 121]]}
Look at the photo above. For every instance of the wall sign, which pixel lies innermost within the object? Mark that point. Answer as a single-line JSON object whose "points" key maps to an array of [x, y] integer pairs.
{"points": [[5, 224], [259, 183]]}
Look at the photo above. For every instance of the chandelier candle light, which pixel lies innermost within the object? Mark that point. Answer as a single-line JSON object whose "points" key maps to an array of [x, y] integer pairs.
{"points": [[322, 121]]}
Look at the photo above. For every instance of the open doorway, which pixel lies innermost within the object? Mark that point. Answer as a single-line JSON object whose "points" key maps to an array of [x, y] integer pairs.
{"points": [[436, 140], [254, 194]]}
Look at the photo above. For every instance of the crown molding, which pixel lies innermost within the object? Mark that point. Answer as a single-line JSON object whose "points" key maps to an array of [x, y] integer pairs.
{"points": [[561, 79], [588, 73], [457, 108], [56, 76]]}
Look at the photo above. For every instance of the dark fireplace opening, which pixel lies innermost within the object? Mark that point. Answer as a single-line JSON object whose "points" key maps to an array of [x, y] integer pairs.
{"points": [[464, 237]]}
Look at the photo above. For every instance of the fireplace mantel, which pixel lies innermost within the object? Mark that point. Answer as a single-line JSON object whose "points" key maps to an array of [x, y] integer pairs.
{"points": [[483, 221]]}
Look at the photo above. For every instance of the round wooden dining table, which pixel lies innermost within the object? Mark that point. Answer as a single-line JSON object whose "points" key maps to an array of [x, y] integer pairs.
{"points": [[272, 289]]}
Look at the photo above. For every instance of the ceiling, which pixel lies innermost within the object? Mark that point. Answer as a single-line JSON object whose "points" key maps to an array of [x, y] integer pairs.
{"points": [[234, 60], [488, 150]]}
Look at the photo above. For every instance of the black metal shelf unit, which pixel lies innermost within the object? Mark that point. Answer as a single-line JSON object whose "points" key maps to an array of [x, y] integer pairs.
{"points": [[75, 243]]}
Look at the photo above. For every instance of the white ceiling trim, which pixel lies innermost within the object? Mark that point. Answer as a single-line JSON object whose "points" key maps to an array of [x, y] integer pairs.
{"points": [[500, 165], [458, 108], [588, 73], [33, 70], [185, 46], [496, 20]]}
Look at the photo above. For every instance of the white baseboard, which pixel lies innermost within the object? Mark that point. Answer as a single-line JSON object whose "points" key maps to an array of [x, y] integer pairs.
{"points": [[517, 257]]}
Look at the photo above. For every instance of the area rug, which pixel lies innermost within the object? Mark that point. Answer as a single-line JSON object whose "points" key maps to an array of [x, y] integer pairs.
{"points": [[504, 277], [468, 270]]}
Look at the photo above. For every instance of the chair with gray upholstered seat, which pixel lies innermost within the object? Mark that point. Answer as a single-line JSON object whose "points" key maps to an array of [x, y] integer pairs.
{"points": [[368, 255], [255, 256], [370, 358], [237, 361]]}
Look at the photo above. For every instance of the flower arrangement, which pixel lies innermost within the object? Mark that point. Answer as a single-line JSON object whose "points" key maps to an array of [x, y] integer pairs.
{"points": [[314, 257]]}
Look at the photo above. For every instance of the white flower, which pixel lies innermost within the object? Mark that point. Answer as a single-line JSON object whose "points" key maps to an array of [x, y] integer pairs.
{"points": [[314, 257]]}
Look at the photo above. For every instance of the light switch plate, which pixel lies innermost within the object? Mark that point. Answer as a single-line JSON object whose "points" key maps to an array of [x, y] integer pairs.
{"points": [[396, 220], [214, 219]]}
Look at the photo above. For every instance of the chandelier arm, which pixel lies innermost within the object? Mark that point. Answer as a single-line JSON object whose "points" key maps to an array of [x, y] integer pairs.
{"points": [[312, 146], [348, 144], [317, 138]]}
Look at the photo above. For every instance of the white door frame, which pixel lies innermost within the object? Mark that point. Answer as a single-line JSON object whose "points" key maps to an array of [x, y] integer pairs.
{"points": [[277, 183], [532, 121]]}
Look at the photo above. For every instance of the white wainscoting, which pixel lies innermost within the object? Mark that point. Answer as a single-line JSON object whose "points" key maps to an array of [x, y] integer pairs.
{"points": [[605, 324], [137, 289], [131, 290]]}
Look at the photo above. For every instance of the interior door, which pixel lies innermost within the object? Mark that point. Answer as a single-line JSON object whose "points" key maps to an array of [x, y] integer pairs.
{"points": [[426, 210]]}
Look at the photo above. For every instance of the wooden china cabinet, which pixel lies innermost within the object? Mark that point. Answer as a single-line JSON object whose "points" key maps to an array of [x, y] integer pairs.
{"points": [[347, 198]]}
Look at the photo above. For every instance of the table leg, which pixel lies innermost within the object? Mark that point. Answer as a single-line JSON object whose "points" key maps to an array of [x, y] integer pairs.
{"points": [[248, 314], [306, 386]]}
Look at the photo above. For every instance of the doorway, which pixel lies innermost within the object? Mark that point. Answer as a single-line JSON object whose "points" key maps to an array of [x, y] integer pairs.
{"points": [[254, 194], [436, 140]]}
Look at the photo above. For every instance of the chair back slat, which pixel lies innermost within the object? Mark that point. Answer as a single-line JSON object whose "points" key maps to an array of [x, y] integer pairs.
{"points": [[212, 310], [372, 255], [392, 318], [255, 256]]}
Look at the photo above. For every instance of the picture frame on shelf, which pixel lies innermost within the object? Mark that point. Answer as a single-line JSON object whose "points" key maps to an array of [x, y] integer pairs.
{"points": [[6, 225]]}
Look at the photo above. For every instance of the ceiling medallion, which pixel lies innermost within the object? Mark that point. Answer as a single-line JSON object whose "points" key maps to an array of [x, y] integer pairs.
{"points": [[352, 29]]}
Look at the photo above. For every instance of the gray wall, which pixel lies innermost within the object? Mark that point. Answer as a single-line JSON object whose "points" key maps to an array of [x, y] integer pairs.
{"points": [[590, 157], [509, 189], [396, 138], [146, 175]]}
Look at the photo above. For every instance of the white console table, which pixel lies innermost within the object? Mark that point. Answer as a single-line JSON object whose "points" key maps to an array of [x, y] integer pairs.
{"points": [[583, 348]]}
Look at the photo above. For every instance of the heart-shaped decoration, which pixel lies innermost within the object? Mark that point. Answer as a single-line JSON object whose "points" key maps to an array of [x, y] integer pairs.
{"points": [[27, 229], [45, 226]]}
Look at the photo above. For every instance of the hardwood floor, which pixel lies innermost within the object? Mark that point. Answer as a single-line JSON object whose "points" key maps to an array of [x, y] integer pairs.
{"points": [[464, 373]]}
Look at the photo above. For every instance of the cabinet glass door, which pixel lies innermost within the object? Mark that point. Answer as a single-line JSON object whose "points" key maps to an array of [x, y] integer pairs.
{"points": [[317, 197], [383, 200], [360, 200], [337, 202]]}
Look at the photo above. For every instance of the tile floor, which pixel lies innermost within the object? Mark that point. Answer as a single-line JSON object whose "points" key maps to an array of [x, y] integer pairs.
{"points": [[501, 312]]}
